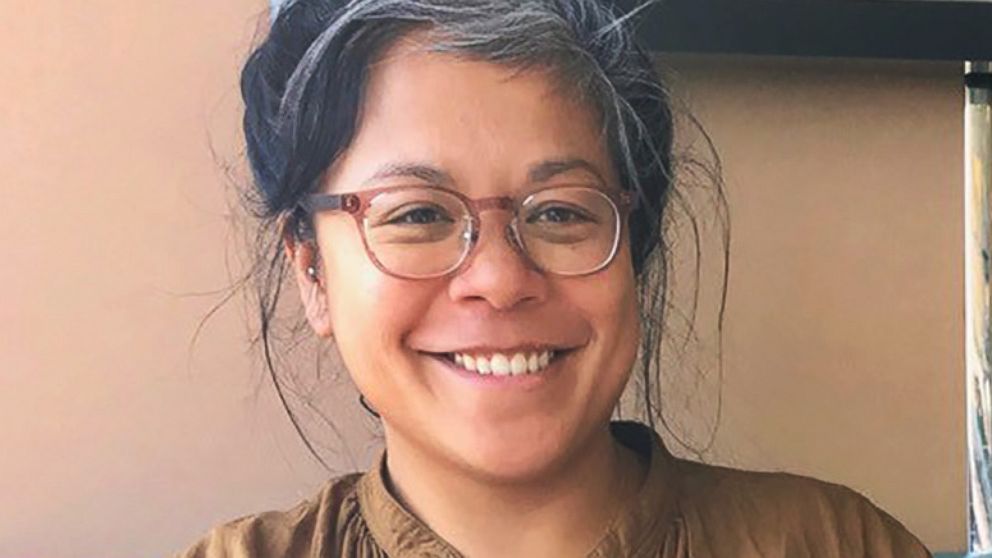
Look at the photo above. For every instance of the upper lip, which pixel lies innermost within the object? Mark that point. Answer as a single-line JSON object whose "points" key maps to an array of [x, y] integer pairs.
{"points": [[507, 349]]}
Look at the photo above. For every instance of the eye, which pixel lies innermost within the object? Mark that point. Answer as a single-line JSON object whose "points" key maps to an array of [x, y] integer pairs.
{"points": [[557, 214], [423, 215]]}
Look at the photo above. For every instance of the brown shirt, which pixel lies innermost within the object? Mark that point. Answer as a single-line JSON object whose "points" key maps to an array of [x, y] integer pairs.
{"points": [[684, 510]]}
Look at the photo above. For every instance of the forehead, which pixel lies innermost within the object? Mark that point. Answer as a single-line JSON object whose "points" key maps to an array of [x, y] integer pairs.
{"points": [[484, 124]]}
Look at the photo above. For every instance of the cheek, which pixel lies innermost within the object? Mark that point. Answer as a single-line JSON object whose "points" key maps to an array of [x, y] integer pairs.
{"points": [[615, 303], [611, 305], [370, 311]]}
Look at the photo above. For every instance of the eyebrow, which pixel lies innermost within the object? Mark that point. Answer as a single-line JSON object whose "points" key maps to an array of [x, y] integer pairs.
{"points": [[421, 171], [538, 173], [546, 170]]}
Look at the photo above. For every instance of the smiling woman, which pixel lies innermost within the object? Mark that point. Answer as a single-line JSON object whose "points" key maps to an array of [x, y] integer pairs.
{"points": [[470, 195]]}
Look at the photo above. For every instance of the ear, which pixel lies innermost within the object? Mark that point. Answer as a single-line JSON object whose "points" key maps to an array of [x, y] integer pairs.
{"points": [[304, 258]]}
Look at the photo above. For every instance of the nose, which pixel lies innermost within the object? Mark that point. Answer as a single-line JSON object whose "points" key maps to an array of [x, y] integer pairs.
{"points": [[498, 272]]}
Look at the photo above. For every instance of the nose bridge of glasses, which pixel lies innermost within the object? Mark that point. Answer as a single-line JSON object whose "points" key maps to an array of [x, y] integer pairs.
{"points": [[500, 203], [510, 234]]}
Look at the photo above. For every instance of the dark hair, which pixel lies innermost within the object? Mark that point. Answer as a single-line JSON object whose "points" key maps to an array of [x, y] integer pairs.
{"points": [[303, 89]]}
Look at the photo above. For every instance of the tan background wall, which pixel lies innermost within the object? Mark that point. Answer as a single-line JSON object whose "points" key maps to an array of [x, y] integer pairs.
{"points": [[843, 345], [844, 332]]}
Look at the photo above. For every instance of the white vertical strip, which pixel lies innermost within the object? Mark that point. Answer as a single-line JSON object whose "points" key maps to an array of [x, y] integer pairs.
{"points": [[978, 335]]}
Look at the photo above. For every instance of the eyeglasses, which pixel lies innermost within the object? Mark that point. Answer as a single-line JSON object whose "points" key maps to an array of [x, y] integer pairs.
{"points": [[423, 232]]}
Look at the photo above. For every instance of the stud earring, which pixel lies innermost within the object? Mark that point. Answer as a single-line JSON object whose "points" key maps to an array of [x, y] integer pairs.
{"points": [[312, 273]]}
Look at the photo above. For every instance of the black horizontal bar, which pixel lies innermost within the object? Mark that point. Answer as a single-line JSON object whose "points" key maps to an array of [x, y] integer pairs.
{"points": [[913, 29]]}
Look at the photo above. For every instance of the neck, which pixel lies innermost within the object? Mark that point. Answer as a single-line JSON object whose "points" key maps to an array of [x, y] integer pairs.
{"points": [[559, 513]]}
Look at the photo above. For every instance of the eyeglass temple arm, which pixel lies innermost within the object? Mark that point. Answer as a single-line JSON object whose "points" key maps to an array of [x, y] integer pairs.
{"points": [[330, 202]]}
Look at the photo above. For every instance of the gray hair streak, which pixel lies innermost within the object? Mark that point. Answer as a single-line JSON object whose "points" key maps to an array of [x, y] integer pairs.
{"points": [[582, 42]]}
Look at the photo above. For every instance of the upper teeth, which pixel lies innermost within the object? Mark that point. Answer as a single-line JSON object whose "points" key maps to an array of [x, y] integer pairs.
{"points": [[504, 364]]}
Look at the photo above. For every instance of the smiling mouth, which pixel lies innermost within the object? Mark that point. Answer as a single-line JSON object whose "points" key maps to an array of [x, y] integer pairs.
{"points": [[504, 363]]}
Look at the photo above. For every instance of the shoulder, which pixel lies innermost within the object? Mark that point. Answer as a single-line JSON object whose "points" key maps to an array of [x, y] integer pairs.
{"points": [[783, 512], [298, 531]]}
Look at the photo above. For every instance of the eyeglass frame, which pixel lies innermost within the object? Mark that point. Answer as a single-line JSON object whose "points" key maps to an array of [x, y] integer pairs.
{"points": [[358, 203]]}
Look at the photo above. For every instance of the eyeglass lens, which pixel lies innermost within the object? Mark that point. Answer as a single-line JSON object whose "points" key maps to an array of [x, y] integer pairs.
{"points": [[424, 232]]}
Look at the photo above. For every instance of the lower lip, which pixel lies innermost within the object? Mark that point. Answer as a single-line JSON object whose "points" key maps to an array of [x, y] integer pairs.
{"points": [[520, 381]]}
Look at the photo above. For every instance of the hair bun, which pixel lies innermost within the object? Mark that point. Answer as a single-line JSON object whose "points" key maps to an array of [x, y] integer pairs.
{"points": [[263, 82]]}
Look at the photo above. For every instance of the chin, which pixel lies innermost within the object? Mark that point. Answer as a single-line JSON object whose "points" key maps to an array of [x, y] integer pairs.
{"points": [[514, 454]]}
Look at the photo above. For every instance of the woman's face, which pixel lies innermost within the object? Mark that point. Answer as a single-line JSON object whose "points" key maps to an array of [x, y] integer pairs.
{"points": [[484, 128]]}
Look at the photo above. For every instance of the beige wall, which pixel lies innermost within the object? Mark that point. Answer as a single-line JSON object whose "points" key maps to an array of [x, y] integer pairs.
{"points": [[843, 354], [844, 351]]}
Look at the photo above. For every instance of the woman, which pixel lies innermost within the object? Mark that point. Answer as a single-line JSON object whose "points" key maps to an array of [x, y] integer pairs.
{"points": [[470, 196]]}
